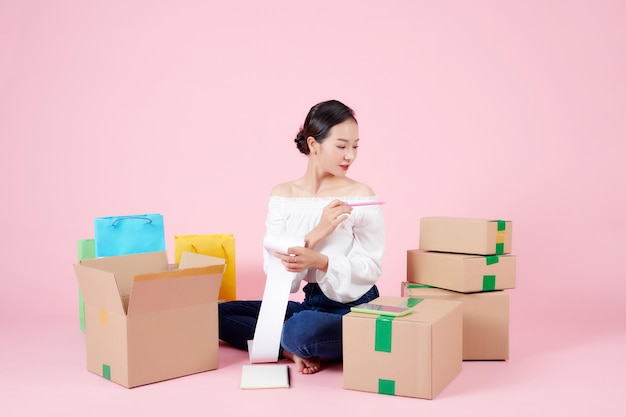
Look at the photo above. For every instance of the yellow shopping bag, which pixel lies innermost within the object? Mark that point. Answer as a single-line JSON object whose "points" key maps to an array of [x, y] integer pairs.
{"points": [[220, 246]]}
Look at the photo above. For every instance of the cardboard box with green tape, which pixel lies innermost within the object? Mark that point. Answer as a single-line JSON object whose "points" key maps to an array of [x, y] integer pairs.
{"points": [[485, 319], [416, 355], [461, 272], [148, 322], [465, 235]]}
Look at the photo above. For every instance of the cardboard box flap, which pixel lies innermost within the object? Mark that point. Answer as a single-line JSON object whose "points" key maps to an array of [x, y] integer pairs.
{"points": [[124, 267], [175, 289], [99, 288], [196, 260]]}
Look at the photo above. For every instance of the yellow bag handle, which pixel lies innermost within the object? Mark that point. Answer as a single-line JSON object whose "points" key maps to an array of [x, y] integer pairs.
{"points": [[195, 250]]}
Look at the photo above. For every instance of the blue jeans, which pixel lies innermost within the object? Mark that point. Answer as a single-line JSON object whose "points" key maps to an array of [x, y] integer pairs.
{"points": [[311, 329]]}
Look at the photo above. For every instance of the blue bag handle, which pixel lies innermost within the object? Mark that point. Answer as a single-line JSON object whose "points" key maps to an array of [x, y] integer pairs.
{"points": [[131, 218]]}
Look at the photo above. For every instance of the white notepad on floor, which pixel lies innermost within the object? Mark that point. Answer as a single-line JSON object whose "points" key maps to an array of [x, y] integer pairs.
{"points": [[264, 376]]}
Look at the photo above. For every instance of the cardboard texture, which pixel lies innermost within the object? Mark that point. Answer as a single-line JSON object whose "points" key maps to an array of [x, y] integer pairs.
{"points": [[485, 319], [416, 355], [147, 322], [460, 272], [461, 235]]}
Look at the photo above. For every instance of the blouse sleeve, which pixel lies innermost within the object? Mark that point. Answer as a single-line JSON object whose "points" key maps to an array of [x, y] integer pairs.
{"points": [[349, 277]]}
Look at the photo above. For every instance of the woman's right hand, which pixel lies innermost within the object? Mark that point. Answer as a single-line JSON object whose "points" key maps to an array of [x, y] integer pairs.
{"points": [[332, 215]]}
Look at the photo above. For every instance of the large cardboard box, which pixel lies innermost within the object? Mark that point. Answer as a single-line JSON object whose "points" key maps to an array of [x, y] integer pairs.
{"points": [[461, 235], [148, 322], [460, 272], [485, 319], [416, 355]]}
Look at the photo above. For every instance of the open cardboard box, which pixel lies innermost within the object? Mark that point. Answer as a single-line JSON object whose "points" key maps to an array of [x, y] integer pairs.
{"points": [[147, 321]]}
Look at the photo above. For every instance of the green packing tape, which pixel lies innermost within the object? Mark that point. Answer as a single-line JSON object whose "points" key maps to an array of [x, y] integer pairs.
{"points": [[501, 224], [419, 286], [386, 386], [499, 248], [86, 250], [81, 311], [106, 371], [492, 259], [382, 338], [489, 282], [412, 302]]}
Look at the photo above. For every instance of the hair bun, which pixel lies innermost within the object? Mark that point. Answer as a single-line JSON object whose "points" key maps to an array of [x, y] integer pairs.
{"points": [[301, 142]]}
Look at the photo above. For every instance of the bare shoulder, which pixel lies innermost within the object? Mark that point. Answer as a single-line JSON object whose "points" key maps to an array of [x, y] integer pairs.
{"points": [[284, 189], [355, 188]]}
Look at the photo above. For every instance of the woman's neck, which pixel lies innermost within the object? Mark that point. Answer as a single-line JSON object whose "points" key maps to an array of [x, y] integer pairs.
{"points": [[314, 185]]}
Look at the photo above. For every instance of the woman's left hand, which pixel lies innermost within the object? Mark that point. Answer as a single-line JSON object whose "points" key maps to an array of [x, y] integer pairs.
{"points": [[300, 259]]}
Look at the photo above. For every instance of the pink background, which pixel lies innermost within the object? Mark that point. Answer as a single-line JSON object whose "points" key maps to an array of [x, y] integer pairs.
{"points": [[491, 109]]}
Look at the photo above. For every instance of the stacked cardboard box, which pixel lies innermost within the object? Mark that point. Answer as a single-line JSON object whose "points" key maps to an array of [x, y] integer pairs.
{"points": [[467, 260]]}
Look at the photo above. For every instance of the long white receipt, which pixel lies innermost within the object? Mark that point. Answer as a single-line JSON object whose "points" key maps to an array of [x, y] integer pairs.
{"points": [[265, 346]]}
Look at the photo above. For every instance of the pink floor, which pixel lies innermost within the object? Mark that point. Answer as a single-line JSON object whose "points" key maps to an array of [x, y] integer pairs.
{"points": [[566, 360]]}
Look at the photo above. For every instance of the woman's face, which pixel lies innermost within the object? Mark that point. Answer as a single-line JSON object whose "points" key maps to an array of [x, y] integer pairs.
{"points": [[338, 151]]}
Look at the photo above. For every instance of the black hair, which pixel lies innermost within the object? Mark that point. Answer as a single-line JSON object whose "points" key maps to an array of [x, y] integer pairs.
{"points": [[321, 118]]}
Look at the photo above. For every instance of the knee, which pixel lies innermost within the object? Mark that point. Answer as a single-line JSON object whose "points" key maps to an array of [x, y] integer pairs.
{"points": [[295, 327], [293, 323]]}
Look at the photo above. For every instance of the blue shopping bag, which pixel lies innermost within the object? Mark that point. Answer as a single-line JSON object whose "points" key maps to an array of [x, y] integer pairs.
{"points": [[125, 235]]}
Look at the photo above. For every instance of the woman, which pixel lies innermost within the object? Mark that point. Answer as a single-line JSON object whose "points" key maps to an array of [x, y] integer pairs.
{"points": [[341, 259]]}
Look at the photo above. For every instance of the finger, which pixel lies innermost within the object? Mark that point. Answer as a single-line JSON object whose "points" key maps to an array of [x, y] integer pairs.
{"points": [[340, 212], [336, 203], [341, 218], [343, 207]]}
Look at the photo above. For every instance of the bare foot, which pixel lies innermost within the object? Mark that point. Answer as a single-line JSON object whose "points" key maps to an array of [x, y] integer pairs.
{"points": [[304, 365]]}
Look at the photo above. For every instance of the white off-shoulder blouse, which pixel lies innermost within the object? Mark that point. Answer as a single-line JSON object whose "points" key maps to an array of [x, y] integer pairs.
{"points": [[354, 250]]}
